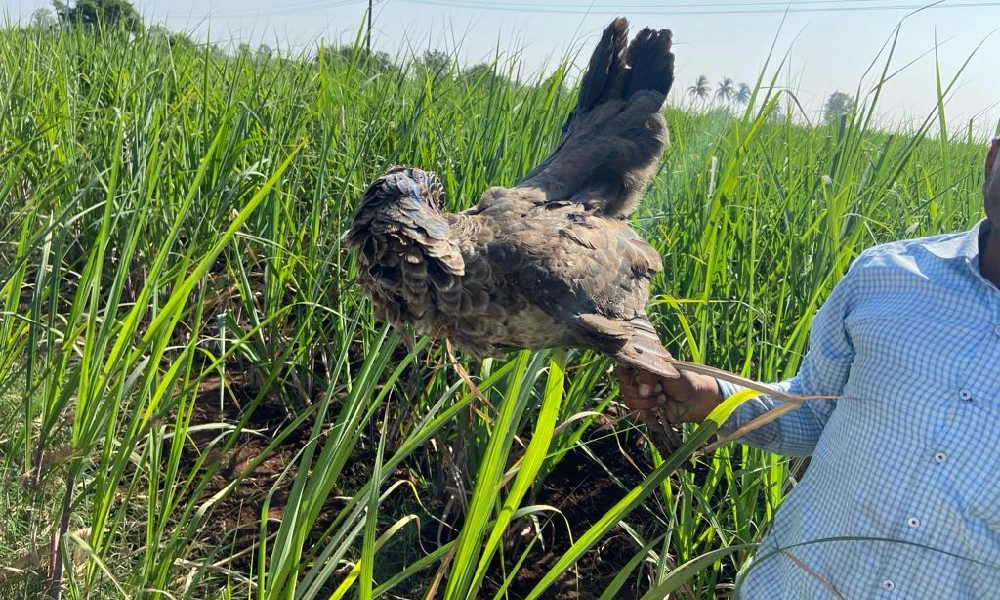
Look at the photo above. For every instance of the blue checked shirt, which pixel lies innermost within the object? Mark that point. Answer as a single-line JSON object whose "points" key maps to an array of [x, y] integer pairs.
{"points": [[910, 453]]}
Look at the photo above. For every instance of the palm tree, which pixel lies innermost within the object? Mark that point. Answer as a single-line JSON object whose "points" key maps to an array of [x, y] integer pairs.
{"points": [[742, 95], [724, 93], [700, 89]]}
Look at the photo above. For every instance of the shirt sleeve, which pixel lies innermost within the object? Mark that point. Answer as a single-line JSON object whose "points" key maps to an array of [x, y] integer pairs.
{"points": [[824, 372]]}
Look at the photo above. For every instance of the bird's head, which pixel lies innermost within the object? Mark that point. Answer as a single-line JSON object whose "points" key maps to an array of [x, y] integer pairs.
{"points": [[991, 185], [404, 244], [406, 185], [400, 196]]}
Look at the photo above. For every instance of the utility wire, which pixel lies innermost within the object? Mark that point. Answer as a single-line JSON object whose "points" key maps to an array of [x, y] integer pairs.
{"points": [[662, 6], [686, 9], [273, 11], [664, 10]]}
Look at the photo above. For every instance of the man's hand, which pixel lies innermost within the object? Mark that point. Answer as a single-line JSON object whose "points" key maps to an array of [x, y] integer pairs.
{"points": [[687, 399]]}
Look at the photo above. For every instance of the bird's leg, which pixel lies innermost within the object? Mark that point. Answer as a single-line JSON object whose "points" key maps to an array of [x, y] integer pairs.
{"points": [[558, 358], [662, 434], [407, 337], [473, 407]]}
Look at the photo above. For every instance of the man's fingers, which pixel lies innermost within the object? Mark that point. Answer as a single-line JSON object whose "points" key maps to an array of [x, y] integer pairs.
{"points": [[649, 385], [641, 391], [643, 403]]}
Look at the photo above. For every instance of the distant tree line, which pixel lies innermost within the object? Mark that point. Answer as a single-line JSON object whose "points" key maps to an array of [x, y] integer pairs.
{"points": [[121, 15], [727, 93], [105, 14]]}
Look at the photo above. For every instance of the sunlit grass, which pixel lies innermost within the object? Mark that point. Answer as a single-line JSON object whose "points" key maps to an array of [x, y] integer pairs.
{"points": [[174, 218]]}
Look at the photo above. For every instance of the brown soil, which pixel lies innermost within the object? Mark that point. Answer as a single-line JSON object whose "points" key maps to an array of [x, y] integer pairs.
{"points": [[235, 520], [579, 487], [583, 491]]}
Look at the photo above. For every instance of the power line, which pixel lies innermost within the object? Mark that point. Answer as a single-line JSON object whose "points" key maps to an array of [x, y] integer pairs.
{"points": [[687, 9], [666, 7], [649, 10], [309, 5]]}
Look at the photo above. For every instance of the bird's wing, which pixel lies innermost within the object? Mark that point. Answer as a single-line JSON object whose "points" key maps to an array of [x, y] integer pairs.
{"points": [[614, 137], [587, 271]]}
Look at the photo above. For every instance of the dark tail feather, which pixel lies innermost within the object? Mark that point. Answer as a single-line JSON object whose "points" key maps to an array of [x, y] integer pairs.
{"points": [[651, 61], [615, 135], [644, 350], [634, 343], [618, 70], [607, 66]]}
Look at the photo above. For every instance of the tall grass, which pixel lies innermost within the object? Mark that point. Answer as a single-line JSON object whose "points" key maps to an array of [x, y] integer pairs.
{"points": [[173, 220]]}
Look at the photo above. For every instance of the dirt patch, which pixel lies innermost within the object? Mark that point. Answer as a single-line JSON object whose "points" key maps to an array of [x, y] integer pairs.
{"points": [[584, 491], [581, 488], [264, 476]]}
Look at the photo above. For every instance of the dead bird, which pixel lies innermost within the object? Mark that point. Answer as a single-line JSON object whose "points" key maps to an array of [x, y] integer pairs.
{"points": [[550, 262]]}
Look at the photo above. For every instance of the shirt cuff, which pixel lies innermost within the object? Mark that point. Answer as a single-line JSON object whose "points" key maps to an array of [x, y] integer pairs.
{"points": [[741, 415], [727, 389]]}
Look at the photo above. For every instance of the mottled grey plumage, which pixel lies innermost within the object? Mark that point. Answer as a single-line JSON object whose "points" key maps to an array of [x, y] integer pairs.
{"points": [[550, 262]]}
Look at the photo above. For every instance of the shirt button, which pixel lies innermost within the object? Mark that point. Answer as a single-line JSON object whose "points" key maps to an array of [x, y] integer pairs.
{"points": [[888, 585], [996, 330], [965, 395], [913, 522], [940, 457]]}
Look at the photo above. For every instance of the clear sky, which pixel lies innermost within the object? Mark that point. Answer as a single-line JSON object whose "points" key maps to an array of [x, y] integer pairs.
{"points": [[830, 44]]}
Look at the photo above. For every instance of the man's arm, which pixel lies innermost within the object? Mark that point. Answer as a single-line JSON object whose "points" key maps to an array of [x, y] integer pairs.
{"points": [[824, 372], [794, 433]]}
